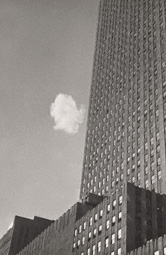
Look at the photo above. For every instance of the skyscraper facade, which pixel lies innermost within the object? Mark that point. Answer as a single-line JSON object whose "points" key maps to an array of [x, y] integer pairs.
{"points": [[123, 189], [126, 130]]}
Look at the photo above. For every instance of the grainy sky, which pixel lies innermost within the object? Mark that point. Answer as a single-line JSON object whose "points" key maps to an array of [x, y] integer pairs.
{"points": [[46, 49]]}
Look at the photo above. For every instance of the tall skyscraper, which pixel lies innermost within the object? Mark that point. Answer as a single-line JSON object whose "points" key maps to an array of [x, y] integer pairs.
{"points": [[125, 138], [123, 189]]}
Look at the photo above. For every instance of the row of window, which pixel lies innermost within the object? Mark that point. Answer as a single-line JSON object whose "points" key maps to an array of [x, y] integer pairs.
{"points": [[79, 230], [99, 215], [119, 252], [107, 243], [158, 253]]}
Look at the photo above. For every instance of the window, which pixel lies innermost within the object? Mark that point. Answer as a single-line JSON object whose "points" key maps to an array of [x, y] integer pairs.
{"points": [[120, 200], [153, 179], [94, 232], [146, 184], [84, 225], [113, 238], [99, 246], [78, 243], [156, 253], [138, 175], [120, 215], [119, 251], [119, 234], [101, 213], [88, 253], [146, 170], [95, 217], [113, 253], [159, 174], [82, 253], [93, 249], [89, 235], [113, 220], [80, 228], [75, 232], [90, 221], [106, 242], [83, 240], [100, 229], [107, 224], [114, 203], [164, 250], [108, 208]]}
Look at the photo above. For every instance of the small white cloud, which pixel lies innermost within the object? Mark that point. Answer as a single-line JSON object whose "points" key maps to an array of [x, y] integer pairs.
{"points": [[66, 115]]}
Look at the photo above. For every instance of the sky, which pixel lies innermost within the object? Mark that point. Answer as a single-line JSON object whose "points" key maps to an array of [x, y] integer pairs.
{"points": [[46, 58]]}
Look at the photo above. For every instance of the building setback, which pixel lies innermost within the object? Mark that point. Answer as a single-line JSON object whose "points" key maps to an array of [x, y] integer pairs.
{"points": [[122, 195], [117, 224]]}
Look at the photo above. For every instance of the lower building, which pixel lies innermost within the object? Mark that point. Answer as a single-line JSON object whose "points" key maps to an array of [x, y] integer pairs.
{"points": [[132, 217], [155, 246], [121, 223], [23, 232], [5, 242]]}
